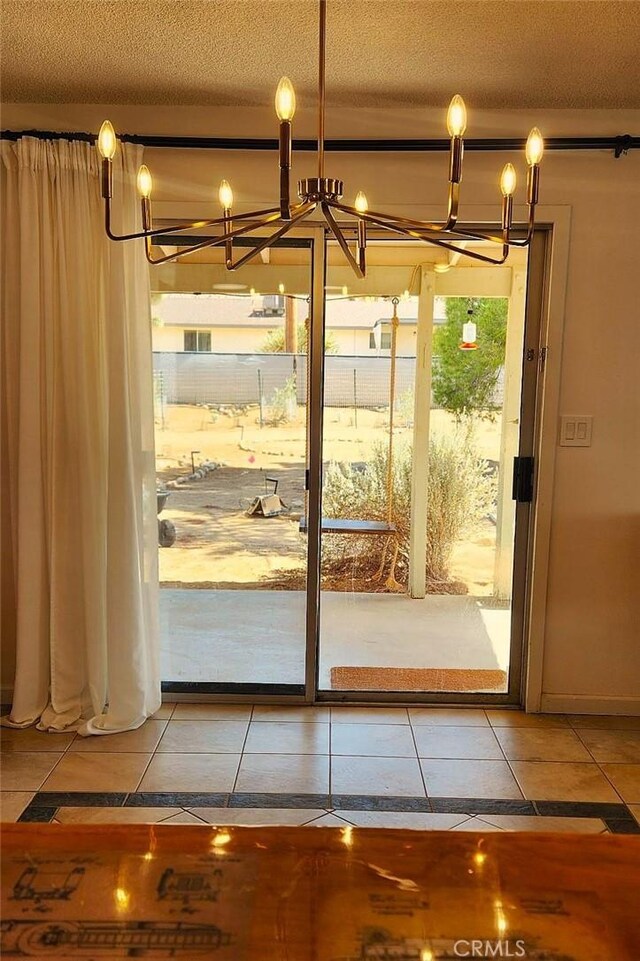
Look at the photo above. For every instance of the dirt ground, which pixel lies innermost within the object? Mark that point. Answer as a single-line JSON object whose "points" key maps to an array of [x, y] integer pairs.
{"points": [[219, 546]]}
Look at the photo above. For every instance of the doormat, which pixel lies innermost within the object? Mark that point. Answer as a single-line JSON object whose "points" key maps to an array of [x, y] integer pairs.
{"points": [[417, 679]]}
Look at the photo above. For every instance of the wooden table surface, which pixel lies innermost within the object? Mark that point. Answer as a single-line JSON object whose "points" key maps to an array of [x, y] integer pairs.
{"points": [[317, 894]]}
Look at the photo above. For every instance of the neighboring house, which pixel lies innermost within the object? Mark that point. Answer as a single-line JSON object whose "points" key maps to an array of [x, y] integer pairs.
{"points": [[230, 325]]}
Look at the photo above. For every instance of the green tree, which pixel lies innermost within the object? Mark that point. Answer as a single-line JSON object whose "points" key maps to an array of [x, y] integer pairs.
{"points": [[274, 341], [464, 380]]}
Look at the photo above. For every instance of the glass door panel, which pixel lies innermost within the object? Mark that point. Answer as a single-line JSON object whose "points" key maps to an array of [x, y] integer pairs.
{"points": [[417, 560], [230, 373]]}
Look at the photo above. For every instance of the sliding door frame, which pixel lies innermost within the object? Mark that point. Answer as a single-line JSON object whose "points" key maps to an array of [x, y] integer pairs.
{"points": [[529, 601]]}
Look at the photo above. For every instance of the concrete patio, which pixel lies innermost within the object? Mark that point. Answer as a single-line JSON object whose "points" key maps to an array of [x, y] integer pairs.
{"points": [[259, 636]]}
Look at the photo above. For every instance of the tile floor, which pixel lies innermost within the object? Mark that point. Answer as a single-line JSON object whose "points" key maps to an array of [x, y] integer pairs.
{"points": [[445, 768]]}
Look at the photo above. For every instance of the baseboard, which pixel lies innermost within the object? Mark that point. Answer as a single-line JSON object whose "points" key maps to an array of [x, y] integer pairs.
{"points": [[589, 704]]}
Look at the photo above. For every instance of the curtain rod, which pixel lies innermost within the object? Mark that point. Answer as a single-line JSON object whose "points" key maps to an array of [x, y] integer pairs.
{"points": [[618, 144]]}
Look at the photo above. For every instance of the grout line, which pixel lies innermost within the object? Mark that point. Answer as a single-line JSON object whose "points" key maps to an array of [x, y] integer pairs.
{"points": [[139, 782], [241, 754], [420, 768]]}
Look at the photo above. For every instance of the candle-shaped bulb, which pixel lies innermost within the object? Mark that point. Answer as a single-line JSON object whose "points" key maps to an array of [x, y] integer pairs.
{"points": [[281, 288], [361, 204], [456, 117], [535, 147], [107, 140], [285, 99], [508, 180], [145, 183], [225, 195]]}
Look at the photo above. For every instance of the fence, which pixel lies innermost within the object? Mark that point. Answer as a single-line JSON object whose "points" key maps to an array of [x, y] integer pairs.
{"points": [[242, 379]]}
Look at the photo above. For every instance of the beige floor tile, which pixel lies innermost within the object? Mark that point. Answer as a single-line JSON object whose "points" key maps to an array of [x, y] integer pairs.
{"points": [[635, 810], [386, 776], [288, 773], [27, 771], [215, 773], [605, 722], [287, 737], [469, 779], [523, 822], [448, 716], [372, 740], [329, 821], [164, 712], [499, 718], [563, 781], [13, 803], [531, 744], [119, 815], [203, 737], [185, 818], [625, 779], [255, 817], [101, 771], [619, 747], [369, 715], [476, 824], [403, 819], [17, 740], [276, 712], [212, 712], [143, 740], [457, 742]]}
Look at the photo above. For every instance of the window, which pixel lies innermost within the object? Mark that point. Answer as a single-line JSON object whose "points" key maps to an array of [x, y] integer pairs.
{"points": [[385, 340], [372, 341], [197, 340]]}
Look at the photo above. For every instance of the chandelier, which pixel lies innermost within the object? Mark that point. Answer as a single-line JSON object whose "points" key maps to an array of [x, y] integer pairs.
{"points": [[324, 194]]}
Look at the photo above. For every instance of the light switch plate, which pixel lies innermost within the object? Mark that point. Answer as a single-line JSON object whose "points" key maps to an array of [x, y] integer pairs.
{"points": [[575, 430]]}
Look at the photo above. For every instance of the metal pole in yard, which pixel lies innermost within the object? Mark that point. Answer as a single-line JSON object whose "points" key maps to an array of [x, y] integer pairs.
{"points": [[260, 398], [355, 397]]}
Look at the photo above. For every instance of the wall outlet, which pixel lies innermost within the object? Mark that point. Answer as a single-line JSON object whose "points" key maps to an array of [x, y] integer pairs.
{"points": [[575, 430]]}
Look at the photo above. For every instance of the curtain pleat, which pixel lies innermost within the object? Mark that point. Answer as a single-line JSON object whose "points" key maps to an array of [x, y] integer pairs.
{"points": [[79, 551]]}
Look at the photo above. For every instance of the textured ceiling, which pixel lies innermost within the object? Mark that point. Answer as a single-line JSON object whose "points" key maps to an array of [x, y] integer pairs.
{"points": [[497, 53]]}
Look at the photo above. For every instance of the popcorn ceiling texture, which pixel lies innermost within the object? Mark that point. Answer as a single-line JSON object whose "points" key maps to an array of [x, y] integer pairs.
{"points": [[496, 53]]}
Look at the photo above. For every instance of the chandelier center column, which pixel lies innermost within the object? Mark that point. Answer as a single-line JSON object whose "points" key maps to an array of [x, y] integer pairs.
{"points": [[322, 56]]}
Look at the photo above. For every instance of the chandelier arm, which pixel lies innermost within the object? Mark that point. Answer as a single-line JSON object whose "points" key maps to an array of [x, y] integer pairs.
{"points": [[272, 238], [418, 224], [337, 233], [193, 225], [395, 228], [210, 242], [394, 224]]}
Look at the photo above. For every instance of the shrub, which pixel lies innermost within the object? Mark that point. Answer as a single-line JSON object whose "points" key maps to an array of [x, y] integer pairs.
{"points": [[460, 493], [283, 403]]}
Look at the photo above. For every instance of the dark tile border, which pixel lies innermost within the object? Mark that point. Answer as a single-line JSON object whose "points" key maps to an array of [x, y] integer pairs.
{"points": [[362, 802], [458, 805], [280, 801], [181, 800], [583, 809], [80, 799], [617, 817], [37, 814]]}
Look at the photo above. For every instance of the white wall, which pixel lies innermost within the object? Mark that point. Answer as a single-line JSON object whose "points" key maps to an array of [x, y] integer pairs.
{"points": [[592, 640]]}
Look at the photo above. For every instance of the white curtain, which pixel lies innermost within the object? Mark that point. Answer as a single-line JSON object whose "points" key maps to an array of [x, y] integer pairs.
{"points": [[79, 551]]}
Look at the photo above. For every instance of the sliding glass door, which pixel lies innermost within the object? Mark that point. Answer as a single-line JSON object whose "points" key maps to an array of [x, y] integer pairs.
{"points": [[230, 391], [423, 419], [335, 467]]}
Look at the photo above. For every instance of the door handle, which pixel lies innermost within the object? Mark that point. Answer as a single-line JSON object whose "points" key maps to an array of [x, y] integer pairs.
{"points": [[523, 479]]}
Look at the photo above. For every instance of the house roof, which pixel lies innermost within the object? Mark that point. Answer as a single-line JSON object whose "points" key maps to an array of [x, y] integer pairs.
{"points": [[214, 310]]}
